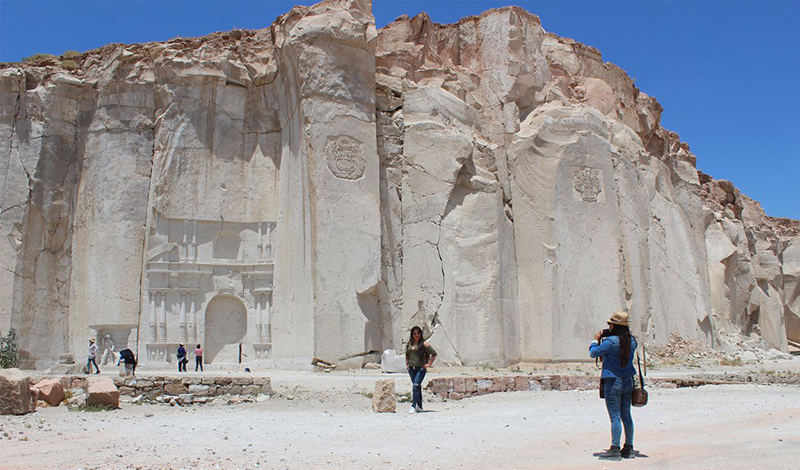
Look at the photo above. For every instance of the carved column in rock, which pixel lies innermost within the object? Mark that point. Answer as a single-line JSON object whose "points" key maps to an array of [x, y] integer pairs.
{"points": [[193, 252], [327, 91], [259, 335], [192, 318], [265, 319], [162, 317], [184, 251], [268, 243], [182, 324], [153, 316]]}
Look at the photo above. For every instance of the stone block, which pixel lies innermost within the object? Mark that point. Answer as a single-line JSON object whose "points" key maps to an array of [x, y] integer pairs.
{"points": [[459, 385], [51, 391], [191, 380], [154, 393], [102, 391], [456, 396], [186, 399], [223, 380], [144, 384], [242, 381], [208, 381], [15, 393], [471, 384], [484, 384], [127, 391], [199, 390], [522, 384], [175, 389], [233, 389], [384, 399], [251, 389]]}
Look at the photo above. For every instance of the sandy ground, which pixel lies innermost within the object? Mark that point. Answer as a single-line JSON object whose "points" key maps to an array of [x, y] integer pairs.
{"points": [[711, 427]]}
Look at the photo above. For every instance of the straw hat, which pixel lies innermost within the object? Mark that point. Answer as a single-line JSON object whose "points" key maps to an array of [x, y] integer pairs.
{"points": [[618, 318]]}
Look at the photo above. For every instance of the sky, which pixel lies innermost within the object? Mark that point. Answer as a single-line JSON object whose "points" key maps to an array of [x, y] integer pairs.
{"points": [[726, 73]]}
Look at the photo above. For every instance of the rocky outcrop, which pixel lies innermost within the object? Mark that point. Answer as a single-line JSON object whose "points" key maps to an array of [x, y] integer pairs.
{"points": [[313, 189], [16, 395], [51, 391], [101, 391]]}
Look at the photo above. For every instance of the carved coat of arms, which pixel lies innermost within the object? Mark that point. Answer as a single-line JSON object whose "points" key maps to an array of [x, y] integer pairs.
{"points": [[345, 157], [587, 182]]}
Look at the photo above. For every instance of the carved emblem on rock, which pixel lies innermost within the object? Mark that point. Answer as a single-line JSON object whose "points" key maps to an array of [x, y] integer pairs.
{"points": [[588, 183], [345, 157]]}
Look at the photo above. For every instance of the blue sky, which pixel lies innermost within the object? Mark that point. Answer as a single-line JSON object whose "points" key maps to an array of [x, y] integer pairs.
{"points": [[726, 73]]}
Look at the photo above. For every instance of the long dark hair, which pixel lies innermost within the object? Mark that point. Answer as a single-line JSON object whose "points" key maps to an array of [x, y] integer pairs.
{"points": [[421, 337], [624, 334]]}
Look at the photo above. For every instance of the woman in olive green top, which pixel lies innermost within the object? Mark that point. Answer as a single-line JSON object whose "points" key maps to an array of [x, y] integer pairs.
{"points": [[419, 356]]}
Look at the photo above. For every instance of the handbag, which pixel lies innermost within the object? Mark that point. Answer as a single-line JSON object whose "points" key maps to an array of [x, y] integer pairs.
{"points": [[639, 396]]}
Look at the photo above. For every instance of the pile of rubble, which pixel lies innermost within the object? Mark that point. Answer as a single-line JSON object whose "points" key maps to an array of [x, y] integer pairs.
{"points": [[679, 351]]}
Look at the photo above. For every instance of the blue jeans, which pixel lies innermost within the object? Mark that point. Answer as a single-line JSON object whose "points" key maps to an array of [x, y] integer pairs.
{"points": [[89, 363], [618, 402], [417, 376]]}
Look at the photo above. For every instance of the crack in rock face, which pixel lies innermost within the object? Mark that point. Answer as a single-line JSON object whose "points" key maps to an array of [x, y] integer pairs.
{"points": [[316, 188]]}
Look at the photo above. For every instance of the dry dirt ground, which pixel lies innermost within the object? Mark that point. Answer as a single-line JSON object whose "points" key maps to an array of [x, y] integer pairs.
{"points": [[333, 427]]}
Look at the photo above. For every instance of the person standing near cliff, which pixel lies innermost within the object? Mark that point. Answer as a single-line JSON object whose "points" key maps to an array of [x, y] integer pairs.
{"points": [[198, 358], [616, 346], [92, 358], [182, 358], [419, 356]]}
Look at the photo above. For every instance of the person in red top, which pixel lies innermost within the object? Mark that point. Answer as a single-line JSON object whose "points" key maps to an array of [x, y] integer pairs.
{"points": [[198, 358]]}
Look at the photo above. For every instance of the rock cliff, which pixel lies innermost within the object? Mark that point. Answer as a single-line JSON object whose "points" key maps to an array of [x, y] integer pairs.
{"points": [[315, 188]]}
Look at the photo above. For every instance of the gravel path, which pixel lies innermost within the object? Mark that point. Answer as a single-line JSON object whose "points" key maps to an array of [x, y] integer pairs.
{"points": [[711, 427]]}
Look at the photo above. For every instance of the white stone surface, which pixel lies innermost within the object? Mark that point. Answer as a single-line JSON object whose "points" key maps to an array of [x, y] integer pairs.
{"points": [[316, 188]]}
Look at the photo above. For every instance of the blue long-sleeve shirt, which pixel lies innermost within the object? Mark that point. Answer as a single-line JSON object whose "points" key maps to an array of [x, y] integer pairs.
{"points": [[608, 349]]}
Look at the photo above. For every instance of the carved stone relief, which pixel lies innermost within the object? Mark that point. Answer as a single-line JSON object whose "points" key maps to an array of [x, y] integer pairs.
{"points": [[588, 184], [345, 157]]}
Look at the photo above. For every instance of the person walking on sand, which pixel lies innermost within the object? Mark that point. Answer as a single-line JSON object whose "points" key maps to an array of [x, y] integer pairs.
{"points": [[419, 356], [182, 358], [92, 358], [616, 346], [198, 358]]}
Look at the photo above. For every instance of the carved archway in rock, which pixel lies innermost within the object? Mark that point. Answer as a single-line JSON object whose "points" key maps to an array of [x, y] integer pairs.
{"points": [[225, 329]]}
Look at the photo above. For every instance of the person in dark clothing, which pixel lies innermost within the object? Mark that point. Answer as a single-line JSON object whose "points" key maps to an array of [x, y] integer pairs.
{"points": [[182, 358], [617, 346], [419, 356], [126, 355]]}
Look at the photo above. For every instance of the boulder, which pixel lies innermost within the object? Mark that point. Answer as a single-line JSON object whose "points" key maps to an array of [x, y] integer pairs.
{"points": [[102, 391], [393, 362], [50, 391], [384, 399], [15, 393]]}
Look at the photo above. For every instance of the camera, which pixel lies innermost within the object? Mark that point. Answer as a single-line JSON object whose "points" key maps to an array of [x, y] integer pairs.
{"points": [[606, 333]]}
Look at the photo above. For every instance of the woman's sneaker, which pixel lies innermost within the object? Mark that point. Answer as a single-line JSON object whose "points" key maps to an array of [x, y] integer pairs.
{"points": [[412, 410], [627, 452], [418, 409], [611, 454]]}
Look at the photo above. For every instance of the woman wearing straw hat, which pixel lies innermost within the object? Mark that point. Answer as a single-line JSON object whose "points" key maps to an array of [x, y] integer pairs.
{"points": [[616, 346]]}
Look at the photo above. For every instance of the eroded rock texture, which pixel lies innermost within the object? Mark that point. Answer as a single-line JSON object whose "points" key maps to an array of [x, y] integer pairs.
{"points": [[315, 188]]}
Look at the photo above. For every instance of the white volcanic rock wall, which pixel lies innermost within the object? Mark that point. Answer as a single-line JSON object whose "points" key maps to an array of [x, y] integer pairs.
{"points": [[315, 188]]}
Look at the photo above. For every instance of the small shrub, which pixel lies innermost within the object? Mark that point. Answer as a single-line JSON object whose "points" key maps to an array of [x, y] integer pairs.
{"points": [[37, 58], [404, 397], [92, 408], [69, 65], [70, 54], [725, 361], [9, 351]]}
